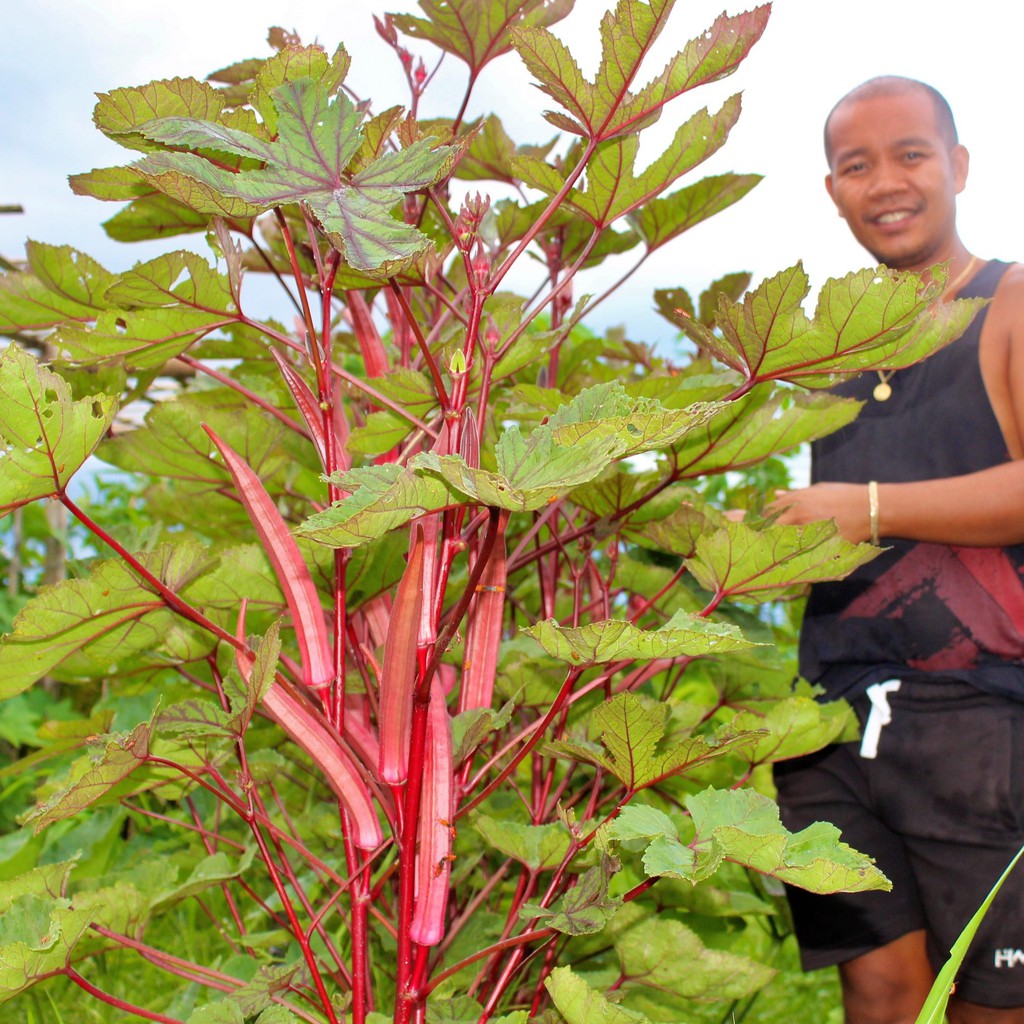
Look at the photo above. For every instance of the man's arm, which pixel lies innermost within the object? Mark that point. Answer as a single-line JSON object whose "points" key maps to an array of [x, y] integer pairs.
{"points": [[983, 509]]}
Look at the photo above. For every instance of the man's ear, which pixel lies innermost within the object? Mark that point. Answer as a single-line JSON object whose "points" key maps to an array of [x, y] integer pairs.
{"points": [[961, 161], [831, 194]]}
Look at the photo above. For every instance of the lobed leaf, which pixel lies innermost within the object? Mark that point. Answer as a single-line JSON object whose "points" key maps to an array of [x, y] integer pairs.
{"points": [[120, 114], [154, 312], [666, 217], [607, 107], [618, 640], [110, 616], [632, 733], [740, 561], [613, 187], [870, 319], [492, 154], [794, 726], [757, 426], [318, 136], [383, 498], [638, 424], [743, 825], [45, 435], [290, 65], [585, 909], [59, 285], [476, 32]]}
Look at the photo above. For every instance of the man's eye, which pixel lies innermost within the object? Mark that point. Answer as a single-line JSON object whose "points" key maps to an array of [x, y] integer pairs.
{"points": [[913, 155], [853, 168]]}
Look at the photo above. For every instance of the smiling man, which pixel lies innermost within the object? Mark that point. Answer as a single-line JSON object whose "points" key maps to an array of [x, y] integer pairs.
{"points": [[926, 641]]}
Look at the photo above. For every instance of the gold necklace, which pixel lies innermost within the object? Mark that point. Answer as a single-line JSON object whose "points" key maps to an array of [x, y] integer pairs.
{"points": [[883, 389]]}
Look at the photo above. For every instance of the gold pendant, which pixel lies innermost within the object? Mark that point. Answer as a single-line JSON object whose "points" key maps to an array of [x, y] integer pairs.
{"points": [[882, 392]]}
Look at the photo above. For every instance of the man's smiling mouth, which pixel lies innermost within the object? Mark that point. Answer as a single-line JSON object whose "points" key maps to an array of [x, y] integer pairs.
{"points": [[892, 216]]}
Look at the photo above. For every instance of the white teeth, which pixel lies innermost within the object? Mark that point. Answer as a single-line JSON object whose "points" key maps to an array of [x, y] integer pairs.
{"points": [[889, 218]]}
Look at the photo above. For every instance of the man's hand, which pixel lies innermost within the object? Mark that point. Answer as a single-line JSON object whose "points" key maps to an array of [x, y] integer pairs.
{"points": [[847, 504]]}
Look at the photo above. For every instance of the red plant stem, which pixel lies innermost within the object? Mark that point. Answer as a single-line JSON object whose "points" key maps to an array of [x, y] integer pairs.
{"points": [[296, 928], [538, 224], [649, 602], [428, 357], [204, 975], [549, 962], [342, 374], [538, 731], [444, 638], [404, 997], [251, 396], [358, 893], [516, 940], [269, 264], [119, 1004], [203, 832], [168, 596], [316, 919], [307, 314], [210, 847]]}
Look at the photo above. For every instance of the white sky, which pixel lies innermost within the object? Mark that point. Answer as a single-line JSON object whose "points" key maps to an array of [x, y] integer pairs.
{"points": [[55, 54]]}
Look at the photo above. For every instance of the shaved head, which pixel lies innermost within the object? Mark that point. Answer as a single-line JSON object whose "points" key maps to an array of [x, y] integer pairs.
{"points": [[894, 85]]}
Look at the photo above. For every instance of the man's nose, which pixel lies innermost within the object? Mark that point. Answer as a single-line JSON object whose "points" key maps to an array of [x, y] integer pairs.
{"points": [[887, 178]]}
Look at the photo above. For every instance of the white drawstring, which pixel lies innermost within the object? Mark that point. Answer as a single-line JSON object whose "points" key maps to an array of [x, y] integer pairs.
{"points": [[879, 716]]}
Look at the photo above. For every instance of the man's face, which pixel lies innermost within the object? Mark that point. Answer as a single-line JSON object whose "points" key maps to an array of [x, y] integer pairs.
{"points": [[894, 177]]}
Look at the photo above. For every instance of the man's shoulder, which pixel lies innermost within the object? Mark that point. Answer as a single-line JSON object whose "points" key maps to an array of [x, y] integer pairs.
{"points": [[1012, 279], [1008, 300]]}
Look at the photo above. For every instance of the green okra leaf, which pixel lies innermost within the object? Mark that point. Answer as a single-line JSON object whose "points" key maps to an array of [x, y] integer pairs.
{"points": [[45, 435]]}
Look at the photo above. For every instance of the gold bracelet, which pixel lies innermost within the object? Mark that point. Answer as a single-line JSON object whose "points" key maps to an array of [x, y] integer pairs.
{"points": [[873, 511]]}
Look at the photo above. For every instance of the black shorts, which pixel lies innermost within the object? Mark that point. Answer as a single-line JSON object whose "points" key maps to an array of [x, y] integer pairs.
{"points": [[941, 810]]}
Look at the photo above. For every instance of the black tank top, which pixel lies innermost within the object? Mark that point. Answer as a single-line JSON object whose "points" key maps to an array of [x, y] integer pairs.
{"points": [[920, 610]]}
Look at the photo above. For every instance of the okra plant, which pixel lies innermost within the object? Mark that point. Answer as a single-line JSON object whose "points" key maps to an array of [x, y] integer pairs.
{"points": [[437, 688]]}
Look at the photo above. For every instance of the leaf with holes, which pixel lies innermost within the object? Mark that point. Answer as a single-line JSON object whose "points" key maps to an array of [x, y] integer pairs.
{"points": [[382, 499], [45, 436], [638, 424], [60, 284]]}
